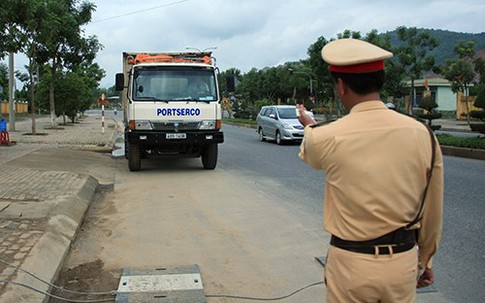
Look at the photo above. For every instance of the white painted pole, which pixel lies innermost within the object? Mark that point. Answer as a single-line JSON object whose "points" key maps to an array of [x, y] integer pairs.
{"points": [[11, 93], [102, 119]]}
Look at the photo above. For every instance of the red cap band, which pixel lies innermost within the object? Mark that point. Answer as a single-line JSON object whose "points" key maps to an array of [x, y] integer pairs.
{"points": [[358, 68]]}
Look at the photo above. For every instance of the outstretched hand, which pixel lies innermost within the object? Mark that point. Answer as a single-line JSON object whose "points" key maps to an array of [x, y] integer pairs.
{"points": [[304, 118]]}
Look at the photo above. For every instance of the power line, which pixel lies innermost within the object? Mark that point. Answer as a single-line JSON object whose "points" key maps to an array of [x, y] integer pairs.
{"points": [[54, 296], [52, 285], [267, 299], [140, 11]]}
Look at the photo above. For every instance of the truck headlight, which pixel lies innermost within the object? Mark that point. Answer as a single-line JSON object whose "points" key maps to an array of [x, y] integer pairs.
{"points": [[143, 125], [207, 124]]}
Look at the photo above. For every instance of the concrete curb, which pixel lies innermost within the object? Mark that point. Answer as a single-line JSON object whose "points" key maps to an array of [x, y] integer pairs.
{"points": [[470, 153], [445, 129], [240, 124], [46, 258]]}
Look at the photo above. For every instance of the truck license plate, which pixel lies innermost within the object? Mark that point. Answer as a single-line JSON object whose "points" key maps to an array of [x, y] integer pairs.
{"points": [[176, 136]]}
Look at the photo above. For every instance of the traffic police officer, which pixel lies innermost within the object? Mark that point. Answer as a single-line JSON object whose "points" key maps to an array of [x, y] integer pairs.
{"points": [[383, 202]]}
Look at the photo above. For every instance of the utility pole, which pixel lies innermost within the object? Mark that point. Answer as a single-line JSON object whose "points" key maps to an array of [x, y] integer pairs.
{"points": [[11, 93], [309, 76]]}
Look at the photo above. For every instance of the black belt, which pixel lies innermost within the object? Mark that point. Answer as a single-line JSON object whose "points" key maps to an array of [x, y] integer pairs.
{"points": [[400, 240]]}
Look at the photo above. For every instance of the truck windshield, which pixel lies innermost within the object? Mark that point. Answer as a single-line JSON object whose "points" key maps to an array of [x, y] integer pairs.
{"points": [[174, 84]]}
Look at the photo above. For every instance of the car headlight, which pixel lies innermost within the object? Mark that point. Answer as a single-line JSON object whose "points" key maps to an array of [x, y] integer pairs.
{"points": [[287, 126], [207, 124], [143, 125]]}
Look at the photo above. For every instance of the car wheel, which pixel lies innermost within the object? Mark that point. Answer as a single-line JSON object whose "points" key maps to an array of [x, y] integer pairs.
{"points": [[261, 135], [278, 138]]}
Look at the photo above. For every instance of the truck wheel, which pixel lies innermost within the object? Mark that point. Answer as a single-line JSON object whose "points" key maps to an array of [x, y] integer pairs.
{"points": [[209, 156], [134, 159], [126, 149]]}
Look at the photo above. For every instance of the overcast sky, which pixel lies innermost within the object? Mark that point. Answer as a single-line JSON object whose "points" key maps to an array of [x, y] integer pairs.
{"points": [[259, 33]]}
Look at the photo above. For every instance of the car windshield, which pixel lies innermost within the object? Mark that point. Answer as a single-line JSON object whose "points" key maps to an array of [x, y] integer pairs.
{"points": [[174, 84], [287, 113]]}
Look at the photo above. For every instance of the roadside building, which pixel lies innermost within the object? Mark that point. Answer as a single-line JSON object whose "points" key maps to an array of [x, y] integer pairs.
{"points": [[440, 90]]}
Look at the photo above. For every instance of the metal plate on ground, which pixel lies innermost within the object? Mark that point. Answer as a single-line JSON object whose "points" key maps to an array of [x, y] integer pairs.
{"points": [[181, 284]]}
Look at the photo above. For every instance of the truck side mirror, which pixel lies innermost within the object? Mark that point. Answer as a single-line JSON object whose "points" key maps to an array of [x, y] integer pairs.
{"points": [[120, 82]]}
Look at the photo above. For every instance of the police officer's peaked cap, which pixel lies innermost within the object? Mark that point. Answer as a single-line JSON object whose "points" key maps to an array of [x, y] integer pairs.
{"points": [[354, 56]]}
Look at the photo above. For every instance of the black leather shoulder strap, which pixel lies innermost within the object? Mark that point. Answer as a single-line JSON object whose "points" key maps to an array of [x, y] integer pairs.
{"points": [[322, 123], [419, 215]]}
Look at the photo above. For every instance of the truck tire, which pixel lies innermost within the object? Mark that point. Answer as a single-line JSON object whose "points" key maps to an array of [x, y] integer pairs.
{"points": [[126, 149], [209, 156], [134, 157]]}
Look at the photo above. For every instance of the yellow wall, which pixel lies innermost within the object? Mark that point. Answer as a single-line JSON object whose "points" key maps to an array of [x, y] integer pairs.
{"points": [[461, 110], [20, 108]]}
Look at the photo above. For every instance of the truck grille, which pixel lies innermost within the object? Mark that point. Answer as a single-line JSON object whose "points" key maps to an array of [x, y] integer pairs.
{"points": [[173, 126]]}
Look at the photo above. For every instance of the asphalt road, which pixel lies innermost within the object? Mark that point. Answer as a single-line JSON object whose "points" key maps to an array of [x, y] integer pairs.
{"points": [[275, 169], [277, 172], [460, 264]]}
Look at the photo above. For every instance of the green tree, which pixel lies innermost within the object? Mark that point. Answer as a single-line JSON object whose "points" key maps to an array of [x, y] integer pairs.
{"points": [[91, 74], [274, 83], [47, 30], [461, 72], [413, 55], [349, 34], [4, 81], [480, 69], [223, 78], [394, 73], [250, 86], [429, 104], [325, 91], [13, 15], [26, 21], [320, 68], [394, 85], [32, 29], [72, 92], [73, 95], [479, 114], [64, 44]]}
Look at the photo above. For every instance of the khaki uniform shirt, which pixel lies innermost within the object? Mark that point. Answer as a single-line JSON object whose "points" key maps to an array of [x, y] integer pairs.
{"points": [[375, 161]]}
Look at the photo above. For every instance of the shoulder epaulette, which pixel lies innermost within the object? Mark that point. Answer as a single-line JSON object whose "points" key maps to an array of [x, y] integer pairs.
{"points": [[322, 123]]}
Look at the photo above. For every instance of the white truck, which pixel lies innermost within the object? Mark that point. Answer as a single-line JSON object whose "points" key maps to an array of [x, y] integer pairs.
{"points": [[171, 106]]}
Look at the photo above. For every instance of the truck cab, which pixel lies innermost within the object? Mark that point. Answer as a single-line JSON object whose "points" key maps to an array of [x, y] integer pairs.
{"points": [[171, 106]]}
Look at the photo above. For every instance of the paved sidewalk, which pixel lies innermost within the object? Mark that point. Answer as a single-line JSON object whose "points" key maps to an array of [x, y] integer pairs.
{"points": [[453, 125], [41, 204]]}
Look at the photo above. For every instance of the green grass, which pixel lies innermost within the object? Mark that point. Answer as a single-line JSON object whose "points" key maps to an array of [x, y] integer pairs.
{"points": [[240, 120], [472, 142]]}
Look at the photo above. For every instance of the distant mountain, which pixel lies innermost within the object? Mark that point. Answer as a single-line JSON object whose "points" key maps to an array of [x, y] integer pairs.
{"points": [[447, 42]]}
